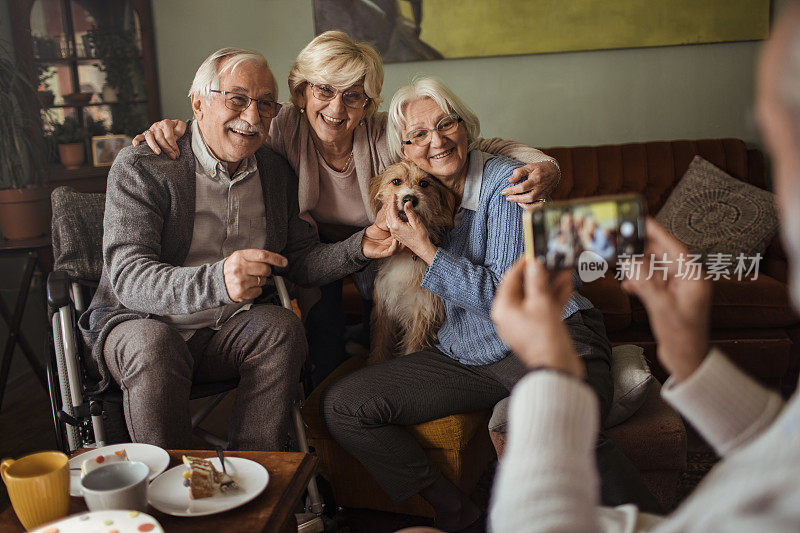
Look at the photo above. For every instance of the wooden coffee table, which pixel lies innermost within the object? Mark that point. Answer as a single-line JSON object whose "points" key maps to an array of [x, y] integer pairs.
{"points": [[272, 511]]}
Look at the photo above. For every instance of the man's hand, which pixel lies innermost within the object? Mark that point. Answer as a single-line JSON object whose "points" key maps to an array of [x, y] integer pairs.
{"points": [[678, 308], [541, 181], [247, 270], [377, 241], [527, 313], [163, 134], [412, 234]]}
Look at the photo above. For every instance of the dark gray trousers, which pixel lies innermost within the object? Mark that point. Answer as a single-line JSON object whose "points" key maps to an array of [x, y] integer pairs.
{"points": [[263, 347], [365, 410]]}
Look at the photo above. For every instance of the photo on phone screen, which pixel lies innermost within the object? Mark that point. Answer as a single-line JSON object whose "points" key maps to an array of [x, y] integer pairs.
{"points": [[588, 230]]}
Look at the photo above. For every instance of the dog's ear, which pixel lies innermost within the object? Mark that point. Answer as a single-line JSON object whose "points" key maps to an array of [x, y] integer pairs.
{"points": [[447, 196], [449, 200], [375, 196]]}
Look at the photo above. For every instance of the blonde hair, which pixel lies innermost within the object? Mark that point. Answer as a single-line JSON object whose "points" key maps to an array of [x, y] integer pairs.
{"points": [[427, 87], [208, 73], [335, 59]]}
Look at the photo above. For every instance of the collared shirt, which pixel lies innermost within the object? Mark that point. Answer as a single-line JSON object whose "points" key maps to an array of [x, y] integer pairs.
{"points": [[472, 184], [470, 198], [471, 260], [229, 216]]}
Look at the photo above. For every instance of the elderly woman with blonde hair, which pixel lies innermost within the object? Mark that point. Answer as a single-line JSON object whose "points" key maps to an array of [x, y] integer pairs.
{"points": [[335, 139]]}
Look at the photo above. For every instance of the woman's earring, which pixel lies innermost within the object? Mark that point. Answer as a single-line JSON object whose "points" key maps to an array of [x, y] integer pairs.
{"points": [[302, 110]]}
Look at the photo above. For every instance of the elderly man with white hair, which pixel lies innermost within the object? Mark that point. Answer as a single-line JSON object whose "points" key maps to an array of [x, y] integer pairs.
{"points": [[547, 480], [188, 246]]}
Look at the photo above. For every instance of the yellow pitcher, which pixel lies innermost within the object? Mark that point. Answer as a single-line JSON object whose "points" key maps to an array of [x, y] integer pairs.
{"points": [[38, 487]]}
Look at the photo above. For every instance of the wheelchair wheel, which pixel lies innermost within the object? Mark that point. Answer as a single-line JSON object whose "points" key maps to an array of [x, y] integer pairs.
{"points": [[54, 393], [326, 491], [58, 367]]}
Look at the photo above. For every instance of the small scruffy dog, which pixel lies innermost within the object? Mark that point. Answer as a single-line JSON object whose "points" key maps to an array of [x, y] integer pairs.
{"points": [[406, 317]]}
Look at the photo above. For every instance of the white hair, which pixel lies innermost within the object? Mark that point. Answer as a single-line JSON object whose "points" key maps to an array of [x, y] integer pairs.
{"points": [[333, 58], [209, 72], [426, 87]]}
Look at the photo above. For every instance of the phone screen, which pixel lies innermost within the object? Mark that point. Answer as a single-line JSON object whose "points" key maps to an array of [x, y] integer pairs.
{"points": [[563, 232]]}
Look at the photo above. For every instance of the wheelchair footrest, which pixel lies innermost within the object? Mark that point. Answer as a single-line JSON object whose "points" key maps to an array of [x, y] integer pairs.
{"points": [[64, 418], [82, 412]]}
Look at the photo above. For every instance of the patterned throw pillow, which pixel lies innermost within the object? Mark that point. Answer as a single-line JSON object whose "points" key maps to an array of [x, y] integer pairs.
{"points": [[631, 377], [712, 212]]}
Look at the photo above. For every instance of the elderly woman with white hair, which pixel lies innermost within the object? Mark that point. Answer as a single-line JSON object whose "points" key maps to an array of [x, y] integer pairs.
{"points": [[470, 368], [335, 139]]}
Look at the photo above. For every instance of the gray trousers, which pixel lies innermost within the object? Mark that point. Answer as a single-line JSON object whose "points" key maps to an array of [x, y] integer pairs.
{"points": [[365, 411], [263, 347]]}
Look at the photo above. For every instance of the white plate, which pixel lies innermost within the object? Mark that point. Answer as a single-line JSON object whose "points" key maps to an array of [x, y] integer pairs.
{"points": [[153, 456], [122, 521], [168, 495]]}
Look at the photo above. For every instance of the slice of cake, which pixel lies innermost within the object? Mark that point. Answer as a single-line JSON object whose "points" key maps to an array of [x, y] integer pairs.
{"points": [[203, 479], [101, 460]]}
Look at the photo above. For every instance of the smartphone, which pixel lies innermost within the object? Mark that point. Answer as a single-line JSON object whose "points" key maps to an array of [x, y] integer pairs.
{"points": [[585, 231]]}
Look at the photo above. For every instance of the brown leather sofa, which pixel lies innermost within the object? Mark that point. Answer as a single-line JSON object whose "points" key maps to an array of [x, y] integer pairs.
{"points": [[751, 321]]}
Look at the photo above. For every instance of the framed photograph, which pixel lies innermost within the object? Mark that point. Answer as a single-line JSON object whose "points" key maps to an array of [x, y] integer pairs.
{"points": [[106, 147]]}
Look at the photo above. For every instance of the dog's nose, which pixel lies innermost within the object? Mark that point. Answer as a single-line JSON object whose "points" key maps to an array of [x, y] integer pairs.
{"points": [[410, 198]]}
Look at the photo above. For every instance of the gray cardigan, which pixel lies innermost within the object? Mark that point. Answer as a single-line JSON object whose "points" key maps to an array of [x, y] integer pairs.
{"points": [[147, 231]]}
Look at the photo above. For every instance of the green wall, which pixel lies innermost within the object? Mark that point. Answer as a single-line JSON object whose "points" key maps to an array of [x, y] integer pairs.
{"points": [[565, 99], [545, 100]]}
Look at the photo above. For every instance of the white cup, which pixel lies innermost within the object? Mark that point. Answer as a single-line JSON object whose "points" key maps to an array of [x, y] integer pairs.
{"points": [[117, 486]]}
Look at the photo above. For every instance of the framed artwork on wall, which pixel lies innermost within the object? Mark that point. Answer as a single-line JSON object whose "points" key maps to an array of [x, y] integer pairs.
{"points": [[419, 30]]}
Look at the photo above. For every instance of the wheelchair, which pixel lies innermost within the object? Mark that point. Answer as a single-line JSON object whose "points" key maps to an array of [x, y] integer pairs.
{"points": [[84, 420]]}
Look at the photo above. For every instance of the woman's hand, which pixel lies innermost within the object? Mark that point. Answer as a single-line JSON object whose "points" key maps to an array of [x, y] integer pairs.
{"points": [[677, 307], [542, 179], [378, 242], [163, 134], [412, 234]]}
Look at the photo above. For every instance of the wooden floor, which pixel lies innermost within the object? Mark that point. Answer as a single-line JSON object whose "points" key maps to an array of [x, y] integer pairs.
{"points": [[26, 425]]}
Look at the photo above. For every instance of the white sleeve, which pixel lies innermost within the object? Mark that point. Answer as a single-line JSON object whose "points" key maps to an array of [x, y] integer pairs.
{"points": [[547, 479], [725, 405]]}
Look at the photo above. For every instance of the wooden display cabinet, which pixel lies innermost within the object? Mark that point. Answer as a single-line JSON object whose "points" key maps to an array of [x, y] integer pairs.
{"points": [[101, 48]]}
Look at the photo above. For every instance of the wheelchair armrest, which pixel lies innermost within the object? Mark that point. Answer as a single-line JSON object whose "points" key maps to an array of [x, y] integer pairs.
{"points": [[58, 284], [283, 293]]}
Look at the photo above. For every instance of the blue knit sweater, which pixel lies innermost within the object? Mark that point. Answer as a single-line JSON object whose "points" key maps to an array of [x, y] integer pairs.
{"points": [[472, 259]]}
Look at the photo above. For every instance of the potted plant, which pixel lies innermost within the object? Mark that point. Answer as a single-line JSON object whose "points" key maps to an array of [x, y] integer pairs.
{"points": [[70, 136], [94, 127], [116, 47], [24, 200], [45, 73]]}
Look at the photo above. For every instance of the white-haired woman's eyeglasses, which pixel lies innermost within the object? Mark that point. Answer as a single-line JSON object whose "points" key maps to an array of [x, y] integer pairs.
{"points": [[422, 136]]}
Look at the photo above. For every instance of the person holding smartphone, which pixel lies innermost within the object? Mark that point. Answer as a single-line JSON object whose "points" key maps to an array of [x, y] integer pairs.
{"points": [[548, 480]]}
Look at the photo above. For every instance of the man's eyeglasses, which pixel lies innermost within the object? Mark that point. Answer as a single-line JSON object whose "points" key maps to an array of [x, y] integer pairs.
{"points": [[352, 99], [238, 102], [422, 136]]}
